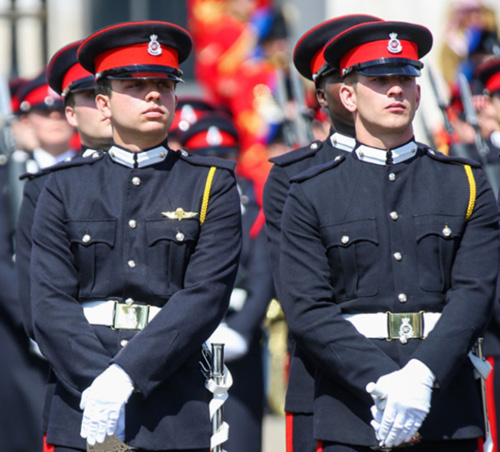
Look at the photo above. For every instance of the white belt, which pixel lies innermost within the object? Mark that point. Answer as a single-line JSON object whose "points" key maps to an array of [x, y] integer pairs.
{"points": [[125, 316], [388, 325]]}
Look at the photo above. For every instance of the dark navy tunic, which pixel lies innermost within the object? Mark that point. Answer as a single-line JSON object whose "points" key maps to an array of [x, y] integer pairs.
{"points": [[300, 391], [358, 237], [106, 230]]}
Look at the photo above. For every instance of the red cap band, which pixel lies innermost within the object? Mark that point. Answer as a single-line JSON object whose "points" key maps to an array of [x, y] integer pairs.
{"points": [[39, 96], [378, 49], [493, 84], [201, 140], [134, 55], [73, 74], [317, 61]]}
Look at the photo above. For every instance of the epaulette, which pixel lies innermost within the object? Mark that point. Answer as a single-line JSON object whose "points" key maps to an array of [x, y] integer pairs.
{"points": [[297, 154], [318, 169], [435, 155], [205, 161], [68, 163]]}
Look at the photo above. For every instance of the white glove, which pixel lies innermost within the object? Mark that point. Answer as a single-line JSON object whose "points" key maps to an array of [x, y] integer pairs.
{"points": [[235, 345], [404, 397], [103, 403]]}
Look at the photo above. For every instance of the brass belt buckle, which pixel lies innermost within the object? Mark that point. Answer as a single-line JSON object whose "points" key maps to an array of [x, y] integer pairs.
{"points": [[130, 317], [405, 325]]}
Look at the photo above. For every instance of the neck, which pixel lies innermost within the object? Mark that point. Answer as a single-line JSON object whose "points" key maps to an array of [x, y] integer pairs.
{"points": [[343, 127], [55, 150], [390, 140], [138, 145]]}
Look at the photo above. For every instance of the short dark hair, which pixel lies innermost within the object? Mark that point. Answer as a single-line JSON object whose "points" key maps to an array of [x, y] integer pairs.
{"points": [[103, 86]]}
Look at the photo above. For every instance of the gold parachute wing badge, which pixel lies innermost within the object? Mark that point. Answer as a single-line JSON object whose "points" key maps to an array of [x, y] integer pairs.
{"points": [[179, 214]]}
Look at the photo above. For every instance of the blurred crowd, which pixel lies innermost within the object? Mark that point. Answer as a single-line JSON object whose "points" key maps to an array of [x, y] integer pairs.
{"points": [[262, 109]]}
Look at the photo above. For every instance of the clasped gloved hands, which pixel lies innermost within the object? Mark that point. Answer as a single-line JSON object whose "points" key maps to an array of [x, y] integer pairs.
{"points": [[103, 405], [402, 401]]}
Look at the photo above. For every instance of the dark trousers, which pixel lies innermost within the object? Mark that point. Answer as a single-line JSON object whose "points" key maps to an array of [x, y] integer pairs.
{"points": [[299, 433], [469, 445]]}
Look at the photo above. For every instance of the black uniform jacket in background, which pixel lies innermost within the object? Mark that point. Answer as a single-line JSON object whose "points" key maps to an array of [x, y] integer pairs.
{"points": [[32, 188], [340, 239], [85, 247], [300, 391]]}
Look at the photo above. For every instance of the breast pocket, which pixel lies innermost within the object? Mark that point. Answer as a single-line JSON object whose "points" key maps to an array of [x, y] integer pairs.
{"points": [[437, 238], [352, 250], [91, 243], [170, 244]]}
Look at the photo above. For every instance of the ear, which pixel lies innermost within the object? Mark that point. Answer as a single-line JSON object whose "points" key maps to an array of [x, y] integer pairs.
{"points": [[347, 95], [70, 116], [418, 96], [102, 104], [321, 97]]}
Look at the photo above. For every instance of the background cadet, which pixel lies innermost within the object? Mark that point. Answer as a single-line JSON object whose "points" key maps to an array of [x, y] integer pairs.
{"points": [[241, 330], [42, 109], [134, 257], [393, 227], [22, 373], [308, 59], [77, 87]]}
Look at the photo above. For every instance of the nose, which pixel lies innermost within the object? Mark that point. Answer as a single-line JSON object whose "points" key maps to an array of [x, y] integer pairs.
{"points": [[153, 93], [395, 89]]}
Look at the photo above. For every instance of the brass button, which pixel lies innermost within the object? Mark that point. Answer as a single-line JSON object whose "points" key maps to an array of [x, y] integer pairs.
{"points": [[394, 215], [398, 256], [136, 181], [402, 298], [392, 177], [345, 239], [132, 224], [131, 264], [86, 238]]}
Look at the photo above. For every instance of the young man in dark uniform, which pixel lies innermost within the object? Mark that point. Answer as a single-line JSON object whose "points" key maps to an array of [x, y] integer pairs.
{"points": [[309, 61], [134, 257], [382, 248]]}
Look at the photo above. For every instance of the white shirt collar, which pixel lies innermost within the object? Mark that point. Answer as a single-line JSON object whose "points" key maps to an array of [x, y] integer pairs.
{"points": [[342, 142], [138, 159], [44, 159], [379, 156]]}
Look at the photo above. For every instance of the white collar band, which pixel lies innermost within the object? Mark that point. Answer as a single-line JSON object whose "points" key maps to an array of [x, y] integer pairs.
{"points": [[342, 142], [379, 156], [138, 159]]}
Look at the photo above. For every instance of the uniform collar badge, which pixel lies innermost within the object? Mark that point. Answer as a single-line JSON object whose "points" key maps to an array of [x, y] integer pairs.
{"points": [[154, 47], [179, 214], [394, 45]]}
